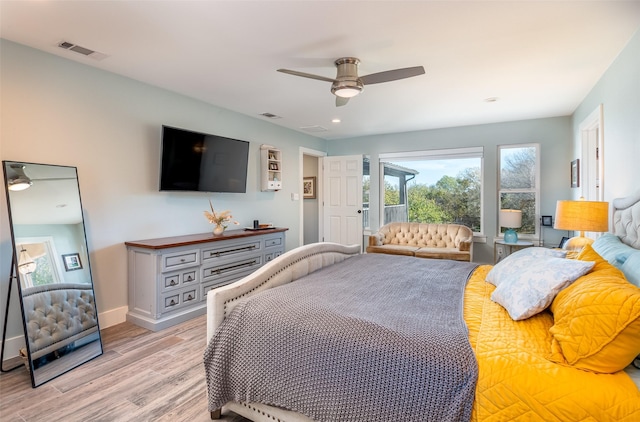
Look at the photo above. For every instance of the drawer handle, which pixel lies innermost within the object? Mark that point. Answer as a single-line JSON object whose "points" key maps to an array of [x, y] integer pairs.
{"points": [[182, 259], [231, 267], [173, 302], [173, 283], [219, 253], [189, 297], [189, 279]]}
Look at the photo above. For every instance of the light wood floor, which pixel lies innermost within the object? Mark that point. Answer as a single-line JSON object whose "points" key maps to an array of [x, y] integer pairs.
{"points": [[142, 376]]}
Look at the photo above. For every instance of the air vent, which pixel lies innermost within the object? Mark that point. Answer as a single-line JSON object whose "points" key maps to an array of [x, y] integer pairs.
{"points": [[81, 50], [270, 115], [314, 129]]}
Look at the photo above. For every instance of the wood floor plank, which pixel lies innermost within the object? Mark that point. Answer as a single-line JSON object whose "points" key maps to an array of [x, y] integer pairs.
{"points": [[142, 376]]}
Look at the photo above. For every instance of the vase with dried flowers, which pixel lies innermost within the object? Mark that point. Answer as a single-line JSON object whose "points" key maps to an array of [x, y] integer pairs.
{"points": [[220, 219]]}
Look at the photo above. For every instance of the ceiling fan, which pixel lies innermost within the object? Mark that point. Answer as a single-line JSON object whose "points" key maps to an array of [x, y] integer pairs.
{"points": [[348, 84], [18, 180]]}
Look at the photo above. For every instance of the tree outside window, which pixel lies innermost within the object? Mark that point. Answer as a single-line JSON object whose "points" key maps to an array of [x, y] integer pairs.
{"points": [[519, 184], [432, 190]]}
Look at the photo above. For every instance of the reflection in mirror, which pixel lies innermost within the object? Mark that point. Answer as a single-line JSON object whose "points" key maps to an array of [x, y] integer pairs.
{"points": [[55, 285]]}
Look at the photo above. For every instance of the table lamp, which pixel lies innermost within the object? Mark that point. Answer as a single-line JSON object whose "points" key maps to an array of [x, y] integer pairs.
{"points": [[511, 219], [582, 216]]}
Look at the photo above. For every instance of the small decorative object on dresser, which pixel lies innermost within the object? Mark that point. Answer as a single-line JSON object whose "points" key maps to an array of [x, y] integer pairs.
{"points": [[220, 219]]}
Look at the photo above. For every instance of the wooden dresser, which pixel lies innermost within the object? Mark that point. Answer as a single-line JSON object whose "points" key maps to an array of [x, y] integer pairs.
{"points": [[169, 277]]}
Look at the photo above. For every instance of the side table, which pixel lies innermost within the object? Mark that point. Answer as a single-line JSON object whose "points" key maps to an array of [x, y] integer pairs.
{"points": [[512, 247]]}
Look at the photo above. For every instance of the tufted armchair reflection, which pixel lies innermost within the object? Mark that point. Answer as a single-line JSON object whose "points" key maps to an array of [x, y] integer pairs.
{"points": [[424, 240]]}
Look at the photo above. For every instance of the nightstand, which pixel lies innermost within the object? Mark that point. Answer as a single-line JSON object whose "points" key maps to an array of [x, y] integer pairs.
{"points": [[512, 247]]}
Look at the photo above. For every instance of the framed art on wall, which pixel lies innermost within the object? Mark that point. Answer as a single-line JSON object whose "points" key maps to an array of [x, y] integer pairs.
{"points": [[575, 173], [72, 262], [309, 187]]}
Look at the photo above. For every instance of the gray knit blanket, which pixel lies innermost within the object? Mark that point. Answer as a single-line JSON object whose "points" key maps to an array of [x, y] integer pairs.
{"points": [[374, 338]]}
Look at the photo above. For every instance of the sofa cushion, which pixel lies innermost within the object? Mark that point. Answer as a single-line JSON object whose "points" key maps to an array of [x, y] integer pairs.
{"points": [[393, 249], [443, 253]]}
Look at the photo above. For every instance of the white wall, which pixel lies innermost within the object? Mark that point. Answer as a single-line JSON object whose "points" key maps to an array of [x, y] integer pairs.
{"points": [[553, 134], [56, 111], [619, 93]]}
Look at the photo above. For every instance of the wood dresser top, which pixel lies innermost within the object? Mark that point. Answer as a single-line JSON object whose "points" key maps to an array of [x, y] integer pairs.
{"points": [[194, 239]]}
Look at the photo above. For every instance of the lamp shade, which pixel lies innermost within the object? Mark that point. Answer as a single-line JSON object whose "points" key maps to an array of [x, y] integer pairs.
{"points": [[584, 216], [511, 219]]}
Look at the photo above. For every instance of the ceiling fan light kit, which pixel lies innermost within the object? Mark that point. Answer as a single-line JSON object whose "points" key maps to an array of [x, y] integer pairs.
{"points": [[348, 84], [19, 181]]}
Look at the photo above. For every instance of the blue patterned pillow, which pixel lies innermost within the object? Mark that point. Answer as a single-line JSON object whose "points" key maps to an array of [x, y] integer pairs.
{"points": [[495, 275], [528, 284]]}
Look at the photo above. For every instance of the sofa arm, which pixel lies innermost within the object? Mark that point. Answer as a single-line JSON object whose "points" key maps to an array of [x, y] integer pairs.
{"points": [[376, 239], [465, 245]]}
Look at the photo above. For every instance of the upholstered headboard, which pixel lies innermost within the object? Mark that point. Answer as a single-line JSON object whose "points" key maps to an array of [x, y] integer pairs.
{"points": [[626, 219]]}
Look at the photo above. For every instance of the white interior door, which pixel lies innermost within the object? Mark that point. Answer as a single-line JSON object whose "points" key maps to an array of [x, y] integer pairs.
{"points": [[342, 208]]}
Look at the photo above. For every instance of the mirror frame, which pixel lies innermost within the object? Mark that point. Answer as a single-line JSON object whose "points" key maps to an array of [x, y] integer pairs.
{"points": [[60, 360]]}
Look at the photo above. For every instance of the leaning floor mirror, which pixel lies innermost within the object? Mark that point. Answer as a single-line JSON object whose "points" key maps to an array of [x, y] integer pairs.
{"points": [[51, 266]]}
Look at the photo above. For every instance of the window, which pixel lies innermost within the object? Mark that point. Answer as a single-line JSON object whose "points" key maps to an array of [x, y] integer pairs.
{"points": [[436, 186], [519, 185]]}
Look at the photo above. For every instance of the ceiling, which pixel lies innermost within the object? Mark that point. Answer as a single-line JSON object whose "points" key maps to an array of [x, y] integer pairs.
{"points": [[538, 58]]}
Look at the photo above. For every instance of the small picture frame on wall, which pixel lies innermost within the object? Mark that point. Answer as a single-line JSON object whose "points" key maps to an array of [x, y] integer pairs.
{"points": [[547, 221], [575, 173], [309, 187], [72, 262]]}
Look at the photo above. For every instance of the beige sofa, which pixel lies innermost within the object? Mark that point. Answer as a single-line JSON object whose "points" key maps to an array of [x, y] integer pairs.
{"points": [[424, 240]]}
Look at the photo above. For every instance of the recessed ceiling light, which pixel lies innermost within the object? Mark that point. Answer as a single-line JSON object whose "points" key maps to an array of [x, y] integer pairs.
{"points": [[336, 120], [491, 100]]}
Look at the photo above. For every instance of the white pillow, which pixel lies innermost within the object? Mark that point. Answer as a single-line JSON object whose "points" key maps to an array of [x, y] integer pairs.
{"points": [[504, 266], [528, 284]]}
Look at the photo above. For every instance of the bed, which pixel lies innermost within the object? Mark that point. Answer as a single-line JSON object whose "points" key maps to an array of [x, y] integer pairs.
{"points": [[555, 346]]}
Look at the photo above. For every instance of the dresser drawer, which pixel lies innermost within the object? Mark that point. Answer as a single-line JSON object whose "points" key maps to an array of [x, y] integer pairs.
{"points": [[214, 253], [222, 270], [223, 280], [179, 279], [276, 241], [179, 299], [172, 261]]}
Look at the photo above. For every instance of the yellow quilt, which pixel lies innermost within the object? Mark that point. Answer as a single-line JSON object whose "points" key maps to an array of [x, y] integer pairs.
{"points": [[518, 383]]}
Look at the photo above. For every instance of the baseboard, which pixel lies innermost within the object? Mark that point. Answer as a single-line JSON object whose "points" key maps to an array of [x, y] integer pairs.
{"points": [[12, 347], [112, 317]]}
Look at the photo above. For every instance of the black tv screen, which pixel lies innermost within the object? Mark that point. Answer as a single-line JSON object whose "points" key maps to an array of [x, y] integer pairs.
{"points": [[193, 161]]}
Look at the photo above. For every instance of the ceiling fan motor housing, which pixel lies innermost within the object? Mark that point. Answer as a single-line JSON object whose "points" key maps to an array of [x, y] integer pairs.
{"points": [[347, 83]]}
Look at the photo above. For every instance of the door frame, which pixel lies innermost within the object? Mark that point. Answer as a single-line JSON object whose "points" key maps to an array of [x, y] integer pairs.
{"points": [[302, 151], [592, 124]]}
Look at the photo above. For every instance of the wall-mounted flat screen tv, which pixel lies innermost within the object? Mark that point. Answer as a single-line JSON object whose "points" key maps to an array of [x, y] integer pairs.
{"points": [[193, 161]]}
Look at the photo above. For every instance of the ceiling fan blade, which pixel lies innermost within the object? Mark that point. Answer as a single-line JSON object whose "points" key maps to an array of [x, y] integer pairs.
{"points": [[306, 75], [340, 101], [392, 75]]}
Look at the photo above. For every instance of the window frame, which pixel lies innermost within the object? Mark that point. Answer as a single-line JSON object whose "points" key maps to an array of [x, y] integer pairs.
{"points": [[434, 154], [536, 191]]}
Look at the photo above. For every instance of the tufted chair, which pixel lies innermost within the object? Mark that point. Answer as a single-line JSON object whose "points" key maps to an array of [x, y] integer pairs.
{"points": [[58, 315], [424, 240]]}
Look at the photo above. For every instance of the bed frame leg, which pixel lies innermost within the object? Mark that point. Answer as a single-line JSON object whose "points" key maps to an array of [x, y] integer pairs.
{"points": [[216, 414]]}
